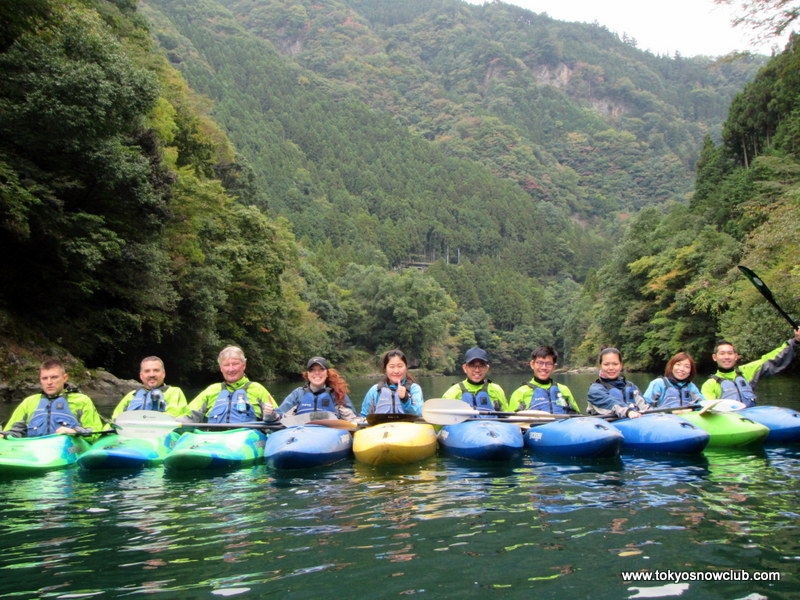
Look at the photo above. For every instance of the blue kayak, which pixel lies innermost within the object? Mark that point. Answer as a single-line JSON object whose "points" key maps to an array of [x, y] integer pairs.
{"points": [[662, 433], [578, 437], [307, 446], [118, 452], [486, 439], [217, 449], [783, 423]]}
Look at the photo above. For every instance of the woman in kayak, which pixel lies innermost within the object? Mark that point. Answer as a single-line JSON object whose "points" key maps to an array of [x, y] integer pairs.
{"points": [[611, 394], [398, 393], [325, 390], [675, 388]]}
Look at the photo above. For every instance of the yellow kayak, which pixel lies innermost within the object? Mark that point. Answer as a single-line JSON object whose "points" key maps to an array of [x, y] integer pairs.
{"points": [[394, 443]]}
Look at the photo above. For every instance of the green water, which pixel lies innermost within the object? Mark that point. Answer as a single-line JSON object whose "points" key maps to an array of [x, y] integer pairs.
{"points": [[443, 528]]}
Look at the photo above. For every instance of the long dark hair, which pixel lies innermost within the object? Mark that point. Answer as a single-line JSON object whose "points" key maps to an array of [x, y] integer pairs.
{"points": [[387, 356]]}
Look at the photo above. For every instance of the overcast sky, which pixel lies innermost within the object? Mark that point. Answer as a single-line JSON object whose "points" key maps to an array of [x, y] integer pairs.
{"points": [[690, 27]]}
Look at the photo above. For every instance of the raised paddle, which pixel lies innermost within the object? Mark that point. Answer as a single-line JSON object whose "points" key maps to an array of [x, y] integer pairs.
{"points": [[765, 291]]}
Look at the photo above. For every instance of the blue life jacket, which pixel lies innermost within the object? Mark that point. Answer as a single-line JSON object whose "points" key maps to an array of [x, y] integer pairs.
{"points": [[50, 415], [388, 402], [674, 395], [626, 395], [232, 406], [478, 401], [149, 399], [550, 399], [316, 401], [738, 389]]}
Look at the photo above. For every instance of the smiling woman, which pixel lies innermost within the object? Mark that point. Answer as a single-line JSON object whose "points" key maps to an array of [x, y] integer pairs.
{"points": [[325, 390]]}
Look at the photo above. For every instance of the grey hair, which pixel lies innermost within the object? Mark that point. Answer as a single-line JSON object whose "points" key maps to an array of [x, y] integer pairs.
{"points": [[231, 352]]}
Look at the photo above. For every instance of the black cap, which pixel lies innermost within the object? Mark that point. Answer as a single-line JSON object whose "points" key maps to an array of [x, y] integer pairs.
{"points": [[476, 354], [317, 360]]}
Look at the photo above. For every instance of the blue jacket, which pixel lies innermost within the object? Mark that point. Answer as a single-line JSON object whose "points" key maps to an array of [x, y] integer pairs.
{"points": [[411, 405]]}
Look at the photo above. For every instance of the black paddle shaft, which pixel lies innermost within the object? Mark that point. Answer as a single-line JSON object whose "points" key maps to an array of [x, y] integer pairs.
{"points": [[765, 291]]}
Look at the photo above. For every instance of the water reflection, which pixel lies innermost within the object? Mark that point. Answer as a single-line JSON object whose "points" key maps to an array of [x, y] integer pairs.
{"points": [[442, 527]]}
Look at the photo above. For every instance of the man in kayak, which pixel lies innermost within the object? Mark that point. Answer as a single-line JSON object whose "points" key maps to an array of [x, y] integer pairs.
{"points": [[476, 390], [59, 408], [155, 394], [732, 382], [236, 399], [541, 392]]}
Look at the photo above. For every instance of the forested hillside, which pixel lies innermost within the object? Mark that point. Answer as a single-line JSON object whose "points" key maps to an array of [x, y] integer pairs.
{"points": [[268, 198], [672, 284]]}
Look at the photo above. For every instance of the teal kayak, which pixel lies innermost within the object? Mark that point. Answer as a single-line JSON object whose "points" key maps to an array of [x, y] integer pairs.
{"points": [[728, 430], [217, 449], [118, 452], [38, 454]]}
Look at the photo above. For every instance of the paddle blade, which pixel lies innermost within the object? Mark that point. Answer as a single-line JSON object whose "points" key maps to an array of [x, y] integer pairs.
{"points": [[145, 424], [446, 411], [765, 291], [292, 420]]}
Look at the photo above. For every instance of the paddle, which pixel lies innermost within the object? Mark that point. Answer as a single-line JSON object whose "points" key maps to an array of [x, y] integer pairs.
{"points": [[379, 418], [765, 291], [151, 424], [445, 411], [707, 407], [450, 411]]}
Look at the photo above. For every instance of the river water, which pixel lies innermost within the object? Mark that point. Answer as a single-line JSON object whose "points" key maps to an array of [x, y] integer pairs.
{"points": [[443, 528]]}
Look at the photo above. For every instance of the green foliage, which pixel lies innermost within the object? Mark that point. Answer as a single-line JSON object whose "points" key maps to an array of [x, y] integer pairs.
{"points": [[672, 284], [406, 310]]}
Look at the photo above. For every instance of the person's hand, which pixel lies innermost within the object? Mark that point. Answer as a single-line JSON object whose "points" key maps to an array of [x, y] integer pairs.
{"points": [[402, 392], [67, 430], [269, 412], [634, 414]]}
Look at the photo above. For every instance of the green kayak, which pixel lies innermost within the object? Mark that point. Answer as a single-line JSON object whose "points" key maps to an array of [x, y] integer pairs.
{"points": [[38, 454], [217, 450], [728, 430], [119, 452]]}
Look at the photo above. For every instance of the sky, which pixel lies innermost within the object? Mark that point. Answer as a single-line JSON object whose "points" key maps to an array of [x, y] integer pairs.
{"points": [[689, 27]]}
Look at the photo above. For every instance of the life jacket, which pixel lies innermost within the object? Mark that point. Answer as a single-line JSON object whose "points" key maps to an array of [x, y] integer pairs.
{"points": [[626, 395], [550, 399], [388, 402], [674, 395], [738, 389], [50, 415], [316, 401], [232, 406], [149, 399], [479, 400]]}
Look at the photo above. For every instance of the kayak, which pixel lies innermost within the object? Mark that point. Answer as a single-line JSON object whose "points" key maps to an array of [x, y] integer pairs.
{"points": [[307, 446], [783, 423], [37, 454], [216, 449], [394, 443], [118, 452], [728, 429], [486, 439], [577, 437], [662, 433]]}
